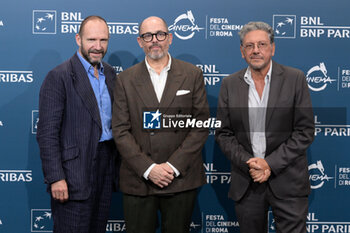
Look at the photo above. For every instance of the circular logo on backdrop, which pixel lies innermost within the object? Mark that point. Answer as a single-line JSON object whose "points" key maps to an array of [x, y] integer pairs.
{"points": [[284, 26], [184, 27], [317, 78], [317, 175], [42, 221]]}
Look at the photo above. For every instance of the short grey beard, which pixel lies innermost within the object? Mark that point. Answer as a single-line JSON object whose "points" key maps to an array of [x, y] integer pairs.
{"points": [[156, 57]]}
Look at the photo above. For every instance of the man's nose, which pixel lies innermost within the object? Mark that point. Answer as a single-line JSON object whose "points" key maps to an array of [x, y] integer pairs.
{"points": [[256, 48], [98, 44], [154, 39]]}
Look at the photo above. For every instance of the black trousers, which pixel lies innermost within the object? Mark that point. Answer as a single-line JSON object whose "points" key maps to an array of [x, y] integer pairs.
{"points": [[91, 215], [252, 211], [141, 216]]}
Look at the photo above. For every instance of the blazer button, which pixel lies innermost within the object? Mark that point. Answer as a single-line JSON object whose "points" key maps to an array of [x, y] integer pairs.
{"points": [[152, 133]]}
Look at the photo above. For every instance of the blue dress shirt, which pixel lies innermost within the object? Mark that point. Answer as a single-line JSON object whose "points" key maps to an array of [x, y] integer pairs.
{"points": [[102, 97]]}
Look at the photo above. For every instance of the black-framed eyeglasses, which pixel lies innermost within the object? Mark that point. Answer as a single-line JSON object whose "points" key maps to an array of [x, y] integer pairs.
{"points": [[147, 37]]}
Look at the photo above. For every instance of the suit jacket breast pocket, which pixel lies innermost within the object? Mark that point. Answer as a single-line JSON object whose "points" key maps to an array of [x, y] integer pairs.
{"points": [[183, 100]]}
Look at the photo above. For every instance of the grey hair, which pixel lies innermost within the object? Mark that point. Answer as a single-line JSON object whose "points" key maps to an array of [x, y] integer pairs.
{"points": [[252, 26]]}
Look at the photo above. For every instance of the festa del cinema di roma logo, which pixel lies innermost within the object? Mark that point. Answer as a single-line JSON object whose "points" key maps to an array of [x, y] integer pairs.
{"points": [[153, 120], [317, 77], [318, 175], [184, 27]]}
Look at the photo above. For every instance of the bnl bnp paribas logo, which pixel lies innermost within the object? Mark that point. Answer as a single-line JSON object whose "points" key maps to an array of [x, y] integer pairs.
{"points": [[151, 120], [284, 26], [41, 220], [216, 177], [120, 226], [313, 224], [211, 74], [184, 26], [310, 27], [315, 27], [16, 76], [46, 22], [16, 176], [318, 177]]}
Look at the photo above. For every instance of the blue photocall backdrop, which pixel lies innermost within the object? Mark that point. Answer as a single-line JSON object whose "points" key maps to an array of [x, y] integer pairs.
{"points": [[37, 35]]}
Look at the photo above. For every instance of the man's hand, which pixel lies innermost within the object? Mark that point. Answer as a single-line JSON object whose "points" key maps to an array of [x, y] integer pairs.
{"points": [[59, 190], [161, 175], [259, 175], [259, 170]]}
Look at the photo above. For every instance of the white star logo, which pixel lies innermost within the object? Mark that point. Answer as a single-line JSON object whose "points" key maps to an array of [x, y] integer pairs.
{"points": [[41, 19], [156, 115], [289, 20], [47, 215], [280, 24], [49, 16]]}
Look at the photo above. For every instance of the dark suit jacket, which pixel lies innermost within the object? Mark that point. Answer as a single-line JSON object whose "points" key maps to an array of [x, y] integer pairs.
{"points": [[139, 148], [69, 126], [289, 130]]}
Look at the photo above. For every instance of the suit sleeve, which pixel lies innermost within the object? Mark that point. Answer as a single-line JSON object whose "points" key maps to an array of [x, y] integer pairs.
{"points": [[303, 130], [51, 110], [191, 147], [121, 127], [226, 137]]}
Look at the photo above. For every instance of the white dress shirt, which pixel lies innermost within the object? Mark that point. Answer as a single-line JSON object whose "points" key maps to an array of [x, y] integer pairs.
{"points": [[159, 81], [257, 113]]}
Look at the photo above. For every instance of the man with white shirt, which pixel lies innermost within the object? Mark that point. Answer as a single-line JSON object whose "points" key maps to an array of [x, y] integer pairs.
{"points": [[161, 167], [267, 126]]}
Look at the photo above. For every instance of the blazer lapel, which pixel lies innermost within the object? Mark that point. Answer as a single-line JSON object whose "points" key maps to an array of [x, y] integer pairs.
{"points": [[83, 87], [243, 97], [144, 87], [275, 89], [174, 80], [110, 83]]}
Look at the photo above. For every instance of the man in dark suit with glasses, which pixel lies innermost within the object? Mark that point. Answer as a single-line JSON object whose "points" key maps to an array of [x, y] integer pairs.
{"points": [[161, 168]]}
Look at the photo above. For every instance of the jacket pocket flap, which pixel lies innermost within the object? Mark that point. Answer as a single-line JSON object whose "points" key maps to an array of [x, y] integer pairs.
{"points": [[70, 153]]}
